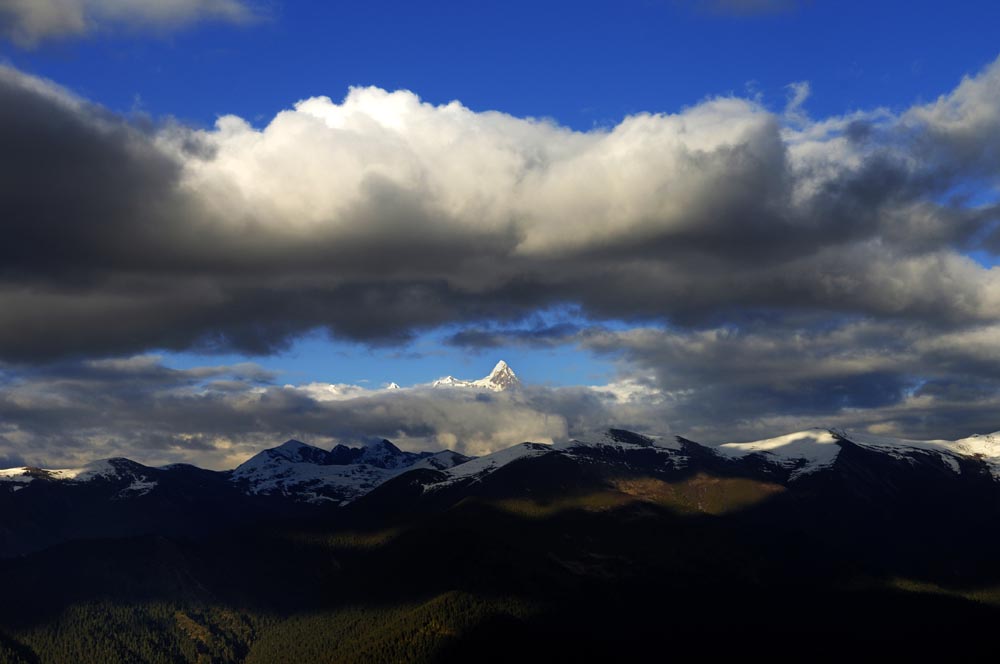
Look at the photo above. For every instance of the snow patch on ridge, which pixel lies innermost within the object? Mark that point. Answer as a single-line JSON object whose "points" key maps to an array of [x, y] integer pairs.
{"points": [[623, 440], [802, 452], [949, 452], [103, 468], [313, 475], [139, 487], [982, 446], [808, 451], [16, 475], [491, 462], [440, 461], [293, 479]]}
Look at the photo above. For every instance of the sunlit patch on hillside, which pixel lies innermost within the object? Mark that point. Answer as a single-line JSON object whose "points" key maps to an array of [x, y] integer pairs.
{"points": [[701, 494]]}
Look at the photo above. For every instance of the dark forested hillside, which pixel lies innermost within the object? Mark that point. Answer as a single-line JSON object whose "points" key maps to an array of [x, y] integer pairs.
{"points": [[603, 555]]}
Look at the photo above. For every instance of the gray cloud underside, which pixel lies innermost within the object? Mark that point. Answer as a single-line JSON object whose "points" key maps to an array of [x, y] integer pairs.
{"points": [[777, 374], [383, 215], [28, 22], [912, 381]]}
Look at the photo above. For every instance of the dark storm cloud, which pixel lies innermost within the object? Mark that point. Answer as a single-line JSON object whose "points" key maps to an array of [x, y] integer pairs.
{"points": [[539, 335], [9, 458], [917, 381]]}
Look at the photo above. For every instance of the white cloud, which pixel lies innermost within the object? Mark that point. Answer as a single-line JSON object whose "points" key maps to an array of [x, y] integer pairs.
{"points": [[322, 167], [798, 93], [419, 215]]}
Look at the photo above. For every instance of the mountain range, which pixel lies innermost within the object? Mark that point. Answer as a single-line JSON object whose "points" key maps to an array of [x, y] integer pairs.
{"points": [[619, 546], [121, 497]]}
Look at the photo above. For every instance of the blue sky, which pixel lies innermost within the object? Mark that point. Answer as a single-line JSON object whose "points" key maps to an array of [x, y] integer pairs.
{"points": [[581, 63], [317, 358]]}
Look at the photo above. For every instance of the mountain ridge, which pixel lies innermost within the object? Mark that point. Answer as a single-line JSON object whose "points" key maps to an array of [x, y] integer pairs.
{"points": [[813, 521], [802, 453]]}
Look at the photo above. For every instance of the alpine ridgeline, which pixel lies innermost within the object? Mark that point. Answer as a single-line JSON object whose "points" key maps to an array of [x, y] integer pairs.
{"points": [[39, 506], [584, 550]]}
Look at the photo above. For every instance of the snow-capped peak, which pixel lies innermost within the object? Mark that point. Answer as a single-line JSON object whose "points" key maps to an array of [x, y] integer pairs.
{"points": [[382, 454], [393, 386], [314, 475], [617, 438], [441, 461], [296, 451], [501, 378], [292, 445]]}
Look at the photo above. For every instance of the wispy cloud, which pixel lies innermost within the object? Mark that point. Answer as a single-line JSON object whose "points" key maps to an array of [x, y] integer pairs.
{"points": [[749, 7], [28, 22]]}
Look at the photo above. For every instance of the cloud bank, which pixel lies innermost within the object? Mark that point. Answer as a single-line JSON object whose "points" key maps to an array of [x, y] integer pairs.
{"points": [[382, 215], [774, 267], [715, 385], [218, 416], [28, 22]]}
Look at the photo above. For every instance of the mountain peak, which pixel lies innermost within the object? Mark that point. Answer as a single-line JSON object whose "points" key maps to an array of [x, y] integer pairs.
{"points": [[292, 450], [628, 437], [501, 378], [382, 454], [383, 444], [292, 444]]}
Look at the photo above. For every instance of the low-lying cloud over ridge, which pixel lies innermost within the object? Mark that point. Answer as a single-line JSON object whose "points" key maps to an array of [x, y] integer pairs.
{"points": [[713, 386], [218, 416]]}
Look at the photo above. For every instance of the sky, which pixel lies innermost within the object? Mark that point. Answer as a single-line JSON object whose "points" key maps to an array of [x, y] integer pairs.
{"points": [[230, 222]]}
